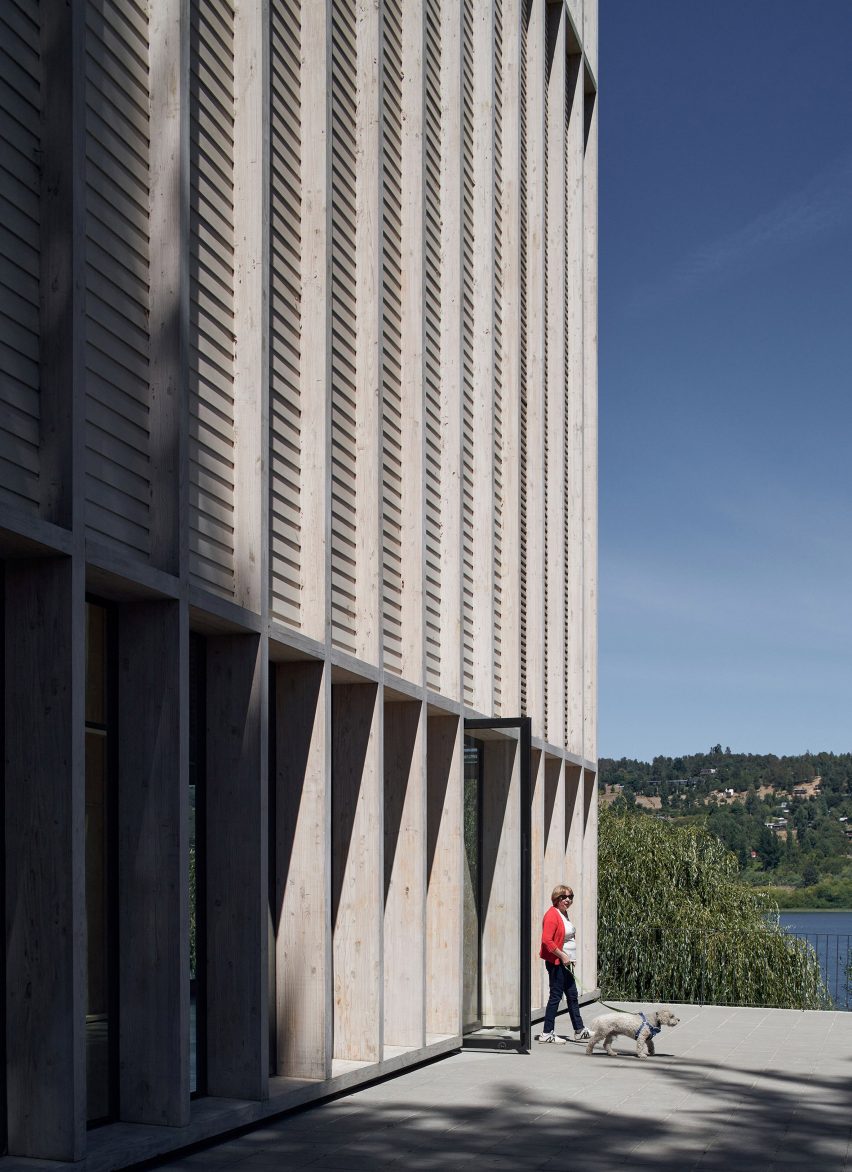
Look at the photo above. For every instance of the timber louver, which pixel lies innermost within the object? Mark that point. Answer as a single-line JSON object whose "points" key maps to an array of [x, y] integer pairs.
{"points": [[344, 408], [20, 73], [118, 487], [285, 428], [211, 385]]}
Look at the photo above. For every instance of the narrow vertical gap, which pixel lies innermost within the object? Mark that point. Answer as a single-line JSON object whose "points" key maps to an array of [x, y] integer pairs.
{"points": [[4, 1131], [272, 849], [197, 861], [101, 867]]}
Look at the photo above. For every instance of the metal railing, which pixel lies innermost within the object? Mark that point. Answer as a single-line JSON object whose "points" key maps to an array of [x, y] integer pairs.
{"points": [[783, 969]]}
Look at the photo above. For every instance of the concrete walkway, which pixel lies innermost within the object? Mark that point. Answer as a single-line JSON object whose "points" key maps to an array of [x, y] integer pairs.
{"points": [[729, 1089]]}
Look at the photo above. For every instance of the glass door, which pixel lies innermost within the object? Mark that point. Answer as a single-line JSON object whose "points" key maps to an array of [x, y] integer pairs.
{"points": [[472, 895], [497, 884]]}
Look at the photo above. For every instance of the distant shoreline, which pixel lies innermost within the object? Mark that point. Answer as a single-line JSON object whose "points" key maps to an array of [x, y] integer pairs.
{"points": [[841, 911]]}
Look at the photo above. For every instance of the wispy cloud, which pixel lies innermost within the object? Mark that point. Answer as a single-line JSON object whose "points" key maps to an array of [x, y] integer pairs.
{"points": [[821, 206]]}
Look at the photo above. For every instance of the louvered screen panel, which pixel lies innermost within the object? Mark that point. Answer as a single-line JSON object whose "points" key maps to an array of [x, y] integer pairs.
{"points": [[344, 323], [117, 239], [211, 383], [19, 250], [497, 480], [285, 436], [432, 341], [391, 337], [523, 327], [468, 390]]}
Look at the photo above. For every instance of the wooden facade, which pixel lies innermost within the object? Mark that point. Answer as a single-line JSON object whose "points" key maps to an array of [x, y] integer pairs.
{"points": [[298, 382]]}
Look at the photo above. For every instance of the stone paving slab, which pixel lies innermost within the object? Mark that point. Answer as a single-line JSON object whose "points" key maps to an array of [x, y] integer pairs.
{"points": [[729, 1088]]}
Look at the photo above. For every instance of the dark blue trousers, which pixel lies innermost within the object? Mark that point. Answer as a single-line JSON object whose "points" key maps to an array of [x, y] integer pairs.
{"points": [[561, 982]]}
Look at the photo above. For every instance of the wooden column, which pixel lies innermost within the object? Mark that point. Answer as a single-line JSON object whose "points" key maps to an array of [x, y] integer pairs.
{"points": [[444, 848], [501, 883], [168, 196], [538, 895], [589, 942], [451, 351], [555, 375], [236, 868], [511, 248], [357, 871], [590, 425], [368, 357], [45, 858], [404, 942], [251, 325], [302, 882], [535, 373], [482, 439], [574, 433], [62, 260], [412, 504], [315, 355], [153, 867], [555, 831]]}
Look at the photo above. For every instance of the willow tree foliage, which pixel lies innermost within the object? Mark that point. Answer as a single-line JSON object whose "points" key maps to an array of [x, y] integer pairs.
{"points": [[676, 925]]}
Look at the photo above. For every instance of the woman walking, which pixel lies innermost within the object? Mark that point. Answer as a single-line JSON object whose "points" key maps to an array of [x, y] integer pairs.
{"points": [[559, 953]]}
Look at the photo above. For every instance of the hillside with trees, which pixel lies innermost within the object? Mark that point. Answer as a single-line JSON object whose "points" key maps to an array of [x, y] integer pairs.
{"points": [[788, 820]]}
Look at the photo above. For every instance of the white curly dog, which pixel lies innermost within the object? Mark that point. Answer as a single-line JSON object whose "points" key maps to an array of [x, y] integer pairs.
{"points": [[641, 1026]]}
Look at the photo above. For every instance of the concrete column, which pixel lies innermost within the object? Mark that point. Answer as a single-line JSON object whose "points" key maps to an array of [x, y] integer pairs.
{"points": [[153, 867], [404, 875], [251, 300], [357, 871], [45, 858], [302, 882], [236, 867], [444, 847]]}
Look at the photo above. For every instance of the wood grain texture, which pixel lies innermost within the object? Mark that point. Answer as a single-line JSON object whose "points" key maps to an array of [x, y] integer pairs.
{"points": [[301, 885], [153, 863]]}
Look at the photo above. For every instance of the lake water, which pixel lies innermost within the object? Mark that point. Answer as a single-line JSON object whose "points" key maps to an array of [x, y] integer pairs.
{"points": [[830, 933]]}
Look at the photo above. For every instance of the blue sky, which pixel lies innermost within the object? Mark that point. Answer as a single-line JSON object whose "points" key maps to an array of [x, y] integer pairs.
{"points": [[725, 376]]}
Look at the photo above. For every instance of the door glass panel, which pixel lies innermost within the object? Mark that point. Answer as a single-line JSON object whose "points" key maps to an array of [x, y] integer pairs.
{"points": [[471, 1012]]}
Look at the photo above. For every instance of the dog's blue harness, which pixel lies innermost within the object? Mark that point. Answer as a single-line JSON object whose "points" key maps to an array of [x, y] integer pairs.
{"points": [[654, 1029]]}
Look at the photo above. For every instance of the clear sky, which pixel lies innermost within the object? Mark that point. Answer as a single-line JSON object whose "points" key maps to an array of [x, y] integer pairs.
{"points": [[725, 376]]}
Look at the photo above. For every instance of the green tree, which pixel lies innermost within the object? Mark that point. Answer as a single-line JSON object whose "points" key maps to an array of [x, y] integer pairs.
{"points": [[675, 924]]}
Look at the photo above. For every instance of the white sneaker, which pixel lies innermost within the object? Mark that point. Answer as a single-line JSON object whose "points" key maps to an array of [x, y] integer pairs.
{"points": [[552, 1038], [582, 1035]]}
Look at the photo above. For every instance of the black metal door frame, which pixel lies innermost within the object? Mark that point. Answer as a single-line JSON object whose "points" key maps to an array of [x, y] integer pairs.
{"points": [[524, 726]]}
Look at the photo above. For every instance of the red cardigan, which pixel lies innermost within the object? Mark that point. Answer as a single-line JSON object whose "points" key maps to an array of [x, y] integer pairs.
{"points": [[552, 935]]}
